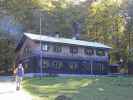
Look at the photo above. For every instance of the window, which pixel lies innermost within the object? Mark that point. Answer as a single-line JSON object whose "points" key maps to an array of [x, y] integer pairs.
{"points": [[89, 51], [96, 68], [57, 64], [27, 51], [45, 47], [100, 52], [73, 50], [45, 63], [73, 66], [57, 48]]}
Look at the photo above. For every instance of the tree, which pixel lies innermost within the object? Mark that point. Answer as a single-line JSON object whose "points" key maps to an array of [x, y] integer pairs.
{"points": [[106, 24], [60, 13], [7, 55], [129, 28]]}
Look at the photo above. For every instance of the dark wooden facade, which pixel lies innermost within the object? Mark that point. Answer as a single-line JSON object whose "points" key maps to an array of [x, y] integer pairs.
{"points": [[61, 58], [130, 68]]}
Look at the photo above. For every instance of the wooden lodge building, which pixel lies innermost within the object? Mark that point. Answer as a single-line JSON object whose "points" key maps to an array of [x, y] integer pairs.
{"points": [[61, 55]]}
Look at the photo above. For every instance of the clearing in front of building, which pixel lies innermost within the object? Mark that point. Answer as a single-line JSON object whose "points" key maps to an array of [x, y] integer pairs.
{"points": [[83, 88]]}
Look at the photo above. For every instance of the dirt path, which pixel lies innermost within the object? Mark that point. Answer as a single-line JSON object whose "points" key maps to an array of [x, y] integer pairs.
{"points": [[8, 91]]}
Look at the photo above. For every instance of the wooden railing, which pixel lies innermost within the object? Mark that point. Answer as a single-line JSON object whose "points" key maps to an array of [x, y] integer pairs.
{"points": [[75, 56], [71, 56]]}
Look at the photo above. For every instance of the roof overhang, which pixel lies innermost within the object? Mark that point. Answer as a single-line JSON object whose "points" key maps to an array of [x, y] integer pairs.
{"points": [[46, 38]]}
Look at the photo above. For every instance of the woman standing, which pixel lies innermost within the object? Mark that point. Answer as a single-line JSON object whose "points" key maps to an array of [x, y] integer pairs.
{"points": [[19, 76]]}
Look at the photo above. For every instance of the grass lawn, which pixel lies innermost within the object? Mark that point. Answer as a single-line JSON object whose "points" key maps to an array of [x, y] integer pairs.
{"points": [[85, 88]]}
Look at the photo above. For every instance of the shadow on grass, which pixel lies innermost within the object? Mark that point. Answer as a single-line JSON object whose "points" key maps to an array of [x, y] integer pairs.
{"points": [[52, 87], [98, 88]]}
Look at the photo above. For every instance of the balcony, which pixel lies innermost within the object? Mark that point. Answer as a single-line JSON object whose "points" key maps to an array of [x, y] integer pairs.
{"points": [[70, 56]]}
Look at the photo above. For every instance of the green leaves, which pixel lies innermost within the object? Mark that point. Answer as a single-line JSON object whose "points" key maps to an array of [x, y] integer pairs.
{"points": [[7, 54]]}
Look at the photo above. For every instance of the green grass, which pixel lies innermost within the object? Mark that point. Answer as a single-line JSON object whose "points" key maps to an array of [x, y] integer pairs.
{"points": [[98, 88]]}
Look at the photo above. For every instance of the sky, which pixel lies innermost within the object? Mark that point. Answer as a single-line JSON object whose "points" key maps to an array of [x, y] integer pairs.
{"points": [[77, 1]]}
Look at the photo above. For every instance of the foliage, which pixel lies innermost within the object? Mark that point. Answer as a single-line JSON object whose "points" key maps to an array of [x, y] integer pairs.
{"points": [[108, 26], [129, 29], [7, 55], [59, 13]]}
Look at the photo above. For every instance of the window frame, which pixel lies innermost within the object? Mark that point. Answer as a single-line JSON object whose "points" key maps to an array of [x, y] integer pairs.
{"points": [[27, 51], [89, 51], [46, 63], [73, 49], [98, 54], [57, 64], [57, 48], [43, 47]]}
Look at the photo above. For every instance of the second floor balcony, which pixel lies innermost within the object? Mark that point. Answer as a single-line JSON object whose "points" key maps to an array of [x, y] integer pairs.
{"points": [[71, 56]]}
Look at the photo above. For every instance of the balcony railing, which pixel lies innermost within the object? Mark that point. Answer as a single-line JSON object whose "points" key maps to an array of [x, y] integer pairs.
{"points": [[72, 56]]}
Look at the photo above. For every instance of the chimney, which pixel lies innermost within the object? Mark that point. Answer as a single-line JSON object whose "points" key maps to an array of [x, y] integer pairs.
{"points": [[57, 34], [76, 30], [74, 38]]}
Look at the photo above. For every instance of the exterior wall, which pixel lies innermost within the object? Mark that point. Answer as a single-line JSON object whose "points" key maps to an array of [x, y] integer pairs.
{"points": [[66, 52], [27, 44], [130, 68]]}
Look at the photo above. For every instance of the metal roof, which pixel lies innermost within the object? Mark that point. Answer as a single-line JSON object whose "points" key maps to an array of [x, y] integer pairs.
{"points": [[65, 40]]}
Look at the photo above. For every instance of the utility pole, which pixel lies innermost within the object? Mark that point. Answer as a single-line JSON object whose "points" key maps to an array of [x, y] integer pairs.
{"points": [[40, 26], [129, 42]]}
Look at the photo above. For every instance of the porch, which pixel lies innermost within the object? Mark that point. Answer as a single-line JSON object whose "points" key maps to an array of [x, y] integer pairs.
{"points": [[65, 66]]}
